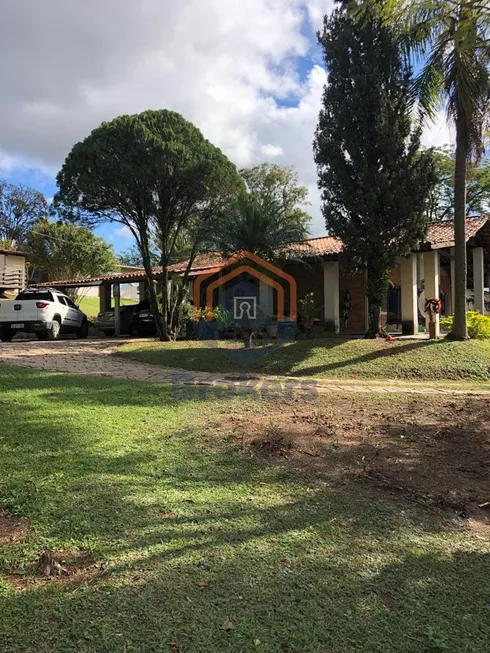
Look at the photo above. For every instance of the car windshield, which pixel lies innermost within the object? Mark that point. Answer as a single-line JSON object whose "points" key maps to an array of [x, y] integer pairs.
{"points": [[42, 295]]}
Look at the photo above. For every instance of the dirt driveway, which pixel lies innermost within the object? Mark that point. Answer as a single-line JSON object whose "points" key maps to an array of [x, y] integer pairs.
{"points": [[95, 357]]}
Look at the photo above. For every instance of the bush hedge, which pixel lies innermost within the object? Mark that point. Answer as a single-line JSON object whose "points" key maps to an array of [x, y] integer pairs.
{"points": [[478, 324]]}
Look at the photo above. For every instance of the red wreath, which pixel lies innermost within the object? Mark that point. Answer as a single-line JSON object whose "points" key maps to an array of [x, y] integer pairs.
{"points": [[433, 304]]}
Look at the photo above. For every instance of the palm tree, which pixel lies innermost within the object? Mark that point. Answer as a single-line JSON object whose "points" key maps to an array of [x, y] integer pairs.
{"points": [[260, 225], [451, 41]]}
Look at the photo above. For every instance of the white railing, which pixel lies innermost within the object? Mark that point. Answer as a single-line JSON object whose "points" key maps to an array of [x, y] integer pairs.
{"points": [[12, 277]]}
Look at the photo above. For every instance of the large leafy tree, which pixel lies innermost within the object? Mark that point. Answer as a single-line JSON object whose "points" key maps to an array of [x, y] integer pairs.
{"points": [[441, 200], [451, 39], [270, 182], [259, 224], [63, 251], [268, 216], [132, 256], [155, 173], [20, 208], [374, 179]]}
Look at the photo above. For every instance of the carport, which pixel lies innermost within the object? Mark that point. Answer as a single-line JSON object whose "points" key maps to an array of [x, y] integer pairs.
{"points": [[109, 287]]}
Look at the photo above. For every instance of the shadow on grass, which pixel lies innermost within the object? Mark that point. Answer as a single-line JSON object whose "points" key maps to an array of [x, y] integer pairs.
{"points": [[381, 354], [200, 533], [281, 360], [325, 601]]}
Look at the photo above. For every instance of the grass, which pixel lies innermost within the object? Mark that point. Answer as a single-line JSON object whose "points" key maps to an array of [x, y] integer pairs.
{"points": [[188, 543], [327, 358], [91, 306]]}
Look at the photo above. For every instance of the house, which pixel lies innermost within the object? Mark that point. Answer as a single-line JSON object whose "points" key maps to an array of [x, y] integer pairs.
{"points": [[12, 270], [317, 267], [426, 272]]}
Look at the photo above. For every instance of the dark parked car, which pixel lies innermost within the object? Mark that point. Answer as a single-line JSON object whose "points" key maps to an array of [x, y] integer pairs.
{"points": [[143, 320], [128, 315]]}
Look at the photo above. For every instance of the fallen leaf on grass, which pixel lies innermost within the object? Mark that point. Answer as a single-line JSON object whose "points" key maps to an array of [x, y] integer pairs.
{"points": [[227, 625], [203, 584]]}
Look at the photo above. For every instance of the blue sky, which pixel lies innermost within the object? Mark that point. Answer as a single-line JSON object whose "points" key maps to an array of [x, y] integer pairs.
{"points": [[46, 184], [248, 74]]}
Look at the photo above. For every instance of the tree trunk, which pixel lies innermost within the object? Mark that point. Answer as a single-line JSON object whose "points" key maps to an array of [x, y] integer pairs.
{"points": [[376, 290], [374, 327], [165, 335], [459, 330], [152, 296]]}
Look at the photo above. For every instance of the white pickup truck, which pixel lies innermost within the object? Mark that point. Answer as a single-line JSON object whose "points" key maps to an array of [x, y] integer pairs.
{"points": [[44, 311]]}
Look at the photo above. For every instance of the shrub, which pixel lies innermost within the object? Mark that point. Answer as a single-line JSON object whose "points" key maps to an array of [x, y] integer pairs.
{"points": [[478, 324], [307, 306], [223, 318]]}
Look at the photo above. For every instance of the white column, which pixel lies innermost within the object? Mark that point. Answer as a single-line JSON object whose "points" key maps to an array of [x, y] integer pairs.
{"points": [[331, 292], [453, 276], [478, 280], [266, 298], [408, 268], [431, 273]]}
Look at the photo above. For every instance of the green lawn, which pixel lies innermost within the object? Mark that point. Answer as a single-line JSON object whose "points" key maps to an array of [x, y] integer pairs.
{"points": [[328, 357], [177, 538], [91, 306]]}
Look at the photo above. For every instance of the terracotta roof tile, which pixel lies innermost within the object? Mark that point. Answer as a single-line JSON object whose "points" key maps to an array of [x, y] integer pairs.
{"points": [[441, 234], [136, 275], [320, 246], [201, 262]]}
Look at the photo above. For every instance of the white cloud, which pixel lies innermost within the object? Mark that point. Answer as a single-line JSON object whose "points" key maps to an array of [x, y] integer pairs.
{"points": [[437, 132], [6, 163], [271, 151], [124, 232], [225, 65], [316, 11]]}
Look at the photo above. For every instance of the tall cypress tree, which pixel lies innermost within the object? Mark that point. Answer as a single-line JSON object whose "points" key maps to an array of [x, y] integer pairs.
{"points": [[374, 179]]}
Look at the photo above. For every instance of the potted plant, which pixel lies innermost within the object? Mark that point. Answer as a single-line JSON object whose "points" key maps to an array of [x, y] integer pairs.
{"points": [[223, 319], [308, 310]]}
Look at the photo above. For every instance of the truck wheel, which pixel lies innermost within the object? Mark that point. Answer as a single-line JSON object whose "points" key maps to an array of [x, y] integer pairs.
{"points": [[6, 337], [42, 335], [83, 331], [54, 332]]}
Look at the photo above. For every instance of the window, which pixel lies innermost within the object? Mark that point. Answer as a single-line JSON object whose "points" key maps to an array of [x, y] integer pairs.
{"points": [[38, 295], [70, 303], [62, 300]]}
